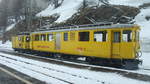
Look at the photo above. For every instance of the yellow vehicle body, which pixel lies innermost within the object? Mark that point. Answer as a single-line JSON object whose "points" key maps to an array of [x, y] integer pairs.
{"points": [[117, 44], [107, 49]]}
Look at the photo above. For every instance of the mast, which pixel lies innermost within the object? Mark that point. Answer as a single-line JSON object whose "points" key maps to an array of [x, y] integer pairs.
{"points": [[28, 15]]}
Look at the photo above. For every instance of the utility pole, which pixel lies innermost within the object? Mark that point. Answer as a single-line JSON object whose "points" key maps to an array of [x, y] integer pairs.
{"points": [[5, 17], [28, 15]]}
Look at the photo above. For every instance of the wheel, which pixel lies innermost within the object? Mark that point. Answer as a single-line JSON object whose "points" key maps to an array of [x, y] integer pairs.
{"points": [[130, 65], [57, 55]]}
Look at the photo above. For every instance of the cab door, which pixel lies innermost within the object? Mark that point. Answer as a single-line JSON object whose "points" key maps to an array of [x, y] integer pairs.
{"points": [[116, 39], [27, 42]]}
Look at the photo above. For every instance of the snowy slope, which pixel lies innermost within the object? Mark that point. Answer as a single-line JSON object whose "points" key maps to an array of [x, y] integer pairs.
{"points": [[134, 3], [145, 25], [66, 10]]}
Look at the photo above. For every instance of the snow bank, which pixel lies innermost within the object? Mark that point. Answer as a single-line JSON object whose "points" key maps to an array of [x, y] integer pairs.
{"points": [[7, 45], [145, 57], [66, 10]]}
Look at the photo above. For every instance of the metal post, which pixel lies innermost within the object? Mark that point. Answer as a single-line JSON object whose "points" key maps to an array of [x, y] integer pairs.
{"points": [[28, 15], [5, 10]]}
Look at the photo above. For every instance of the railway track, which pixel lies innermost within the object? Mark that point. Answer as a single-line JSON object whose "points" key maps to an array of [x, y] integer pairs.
{"points": [[125, 73], [145, 69], [15, 62], [50, 76]]}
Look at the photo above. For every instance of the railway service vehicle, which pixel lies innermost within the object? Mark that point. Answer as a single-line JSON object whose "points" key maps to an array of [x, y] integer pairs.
{"points": [[107, 45]]}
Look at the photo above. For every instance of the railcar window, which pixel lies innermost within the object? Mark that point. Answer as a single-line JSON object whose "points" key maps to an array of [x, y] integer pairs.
{"points": [[100, 36], [43, 37], [19, 38], [49, 37], [127, 36], [65, 36], [37, 37], [84, 36], [116, 38], [27, 39]]}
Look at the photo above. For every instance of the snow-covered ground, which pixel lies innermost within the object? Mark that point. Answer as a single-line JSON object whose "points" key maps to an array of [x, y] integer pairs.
{"points": [[50, 73], [146, 60], [7, 45], [78, 76]]}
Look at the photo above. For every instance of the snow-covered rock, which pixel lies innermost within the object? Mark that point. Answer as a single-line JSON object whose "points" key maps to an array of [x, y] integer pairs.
{"points": [[66, 10], [10, 27]]}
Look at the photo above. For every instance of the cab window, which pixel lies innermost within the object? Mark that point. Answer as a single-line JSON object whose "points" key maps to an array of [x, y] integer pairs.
{"points": [[43, 37], [100, 36], [137, 36], [84, 36], [127, 36]]}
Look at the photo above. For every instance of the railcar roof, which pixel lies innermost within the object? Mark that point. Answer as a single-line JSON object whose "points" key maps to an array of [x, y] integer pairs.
{"points": [[24, 33], [113, 26]]}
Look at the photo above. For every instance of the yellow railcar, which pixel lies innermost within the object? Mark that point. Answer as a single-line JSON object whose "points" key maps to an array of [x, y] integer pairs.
{"points": [[21, 42], [117, 44]]}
